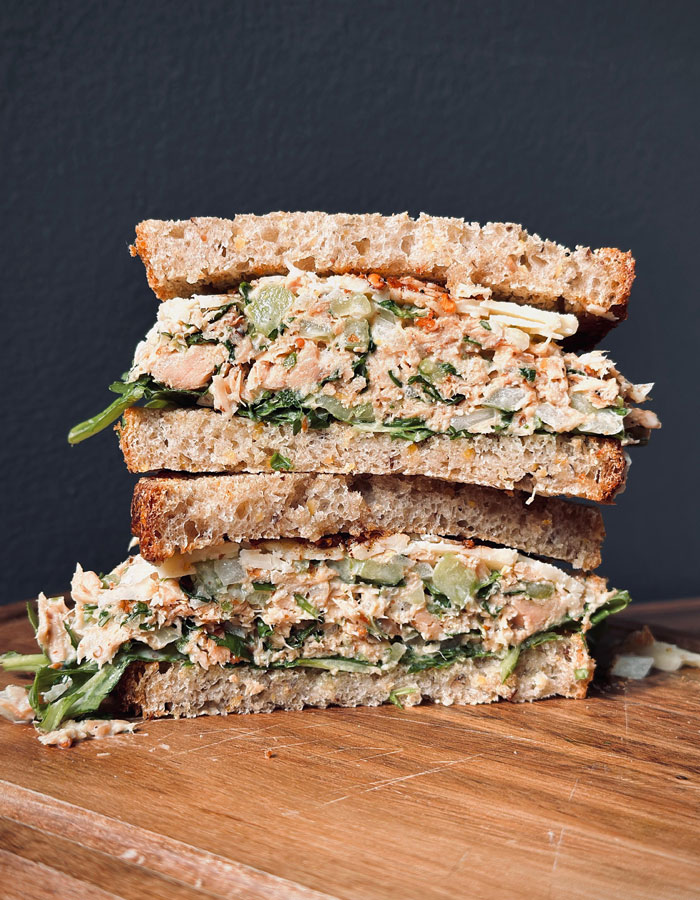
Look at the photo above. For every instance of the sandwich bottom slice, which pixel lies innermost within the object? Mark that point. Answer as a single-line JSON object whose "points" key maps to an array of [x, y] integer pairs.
{"points": [[250, 626]]}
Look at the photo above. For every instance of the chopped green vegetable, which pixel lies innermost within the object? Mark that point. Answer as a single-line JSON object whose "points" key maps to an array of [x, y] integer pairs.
{"points": [[198, 338], [269, 308], [23, 662], [485, 325], [453, 579], [356, 305], [395, 379], [244, 289], [32, 616], [221, 311], [266, 586], [264, 630], [280, 463], [369, 570], [356, 334], [539, 590], [290, 360], [469, 340], [434, 370], [307, 607], [581, 674], [528, 374]]}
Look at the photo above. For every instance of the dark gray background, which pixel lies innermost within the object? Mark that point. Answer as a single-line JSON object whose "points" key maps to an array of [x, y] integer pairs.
{"points": [[578, 120]]}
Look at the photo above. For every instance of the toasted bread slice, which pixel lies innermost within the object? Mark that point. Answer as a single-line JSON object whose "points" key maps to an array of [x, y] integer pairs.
{"points": [[209, 255], [201, 440], [562, 667], [181, 514]]}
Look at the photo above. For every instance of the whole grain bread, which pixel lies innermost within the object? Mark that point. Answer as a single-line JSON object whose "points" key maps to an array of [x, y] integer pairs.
{"points": [[179, 514], [562, 667], [202, 440], [205, 255]]}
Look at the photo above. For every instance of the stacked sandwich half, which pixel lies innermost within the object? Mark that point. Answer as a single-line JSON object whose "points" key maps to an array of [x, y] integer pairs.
{"points": [[359, 425]]}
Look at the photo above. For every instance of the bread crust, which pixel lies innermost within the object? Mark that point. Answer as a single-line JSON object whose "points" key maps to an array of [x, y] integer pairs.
{"points": [[179, 514], [205, 255], [202, 440], [562, 667]]}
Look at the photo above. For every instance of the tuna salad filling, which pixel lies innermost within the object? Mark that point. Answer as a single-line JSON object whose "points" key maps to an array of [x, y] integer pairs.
{"points": [[353, 606], [392, 355]]}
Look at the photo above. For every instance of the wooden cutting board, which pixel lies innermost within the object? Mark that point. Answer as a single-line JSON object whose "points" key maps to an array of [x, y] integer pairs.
{"points": [[588, 799]]}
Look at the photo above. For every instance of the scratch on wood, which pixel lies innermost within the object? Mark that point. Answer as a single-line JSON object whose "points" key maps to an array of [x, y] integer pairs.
{"points": [[558, 847], [573, 789], [388, 782]]}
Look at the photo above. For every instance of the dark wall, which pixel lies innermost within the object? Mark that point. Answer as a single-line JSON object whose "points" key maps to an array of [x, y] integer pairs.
{"points": [[578, 120]]}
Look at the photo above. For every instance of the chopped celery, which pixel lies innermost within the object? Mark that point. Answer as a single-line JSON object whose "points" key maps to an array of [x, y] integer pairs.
{"points": [[455, 580], [269, 308]]}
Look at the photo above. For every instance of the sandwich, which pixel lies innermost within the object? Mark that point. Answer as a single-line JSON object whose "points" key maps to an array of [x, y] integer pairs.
{"points": [[206, 619], [348, 372]]}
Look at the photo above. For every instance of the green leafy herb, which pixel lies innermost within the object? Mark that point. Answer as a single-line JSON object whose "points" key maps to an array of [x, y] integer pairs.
{"points": [[103, 617], [438, 602], [137, 610], [485, 325], [264, 630], [221, 312], [470, 340], [528, 374], [333, 663], [614, 605], [405, 311], [307, 607], [234, 643], [74, 639], [336, 376], [130, 393], [411, 429], [432, 392], [299, 636], [506, 419], [32, 616], [417, 662], [244, 289], [290, 360], [280, 463], [509, 662], [197, 337], [395, 379], [400, 692]]}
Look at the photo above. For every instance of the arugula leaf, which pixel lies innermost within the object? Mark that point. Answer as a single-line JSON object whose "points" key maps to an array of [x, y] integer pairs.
{"points": [[244, 289], [234, 643], [298, 636], [439, 602], [509, 662], [408, 429], [264, 630], [418, 662], [615, 604], [130, 393], [400, 692], [32, 616], [280, 463], [198, 338], [432, 392], [404, 311], [330, 662], [221, 312]]}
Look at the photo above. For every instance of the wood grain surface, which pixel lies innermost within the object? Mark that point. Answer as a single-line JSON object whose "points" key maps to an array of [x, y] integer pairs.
{"points": [[576, 799]]}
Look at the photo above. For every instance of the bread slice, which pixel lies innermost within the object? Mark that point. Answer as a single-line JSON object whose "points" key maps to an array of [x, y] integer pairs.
{"points": [[562, 667], [201, 440], [205, 255], [181, 514]]}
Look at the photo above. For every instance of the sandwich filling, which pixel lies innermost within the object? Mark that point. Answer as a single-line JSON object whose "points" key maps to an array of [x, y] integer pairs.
{"points": [[392, 355], [343, 606]]}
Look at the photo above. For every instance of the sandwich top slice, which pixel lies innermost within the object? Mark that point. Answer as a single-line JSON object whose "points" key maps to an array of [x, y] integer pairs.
{"points": [[210, 255], [397, 358], [248, 626], [179, 514]]}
